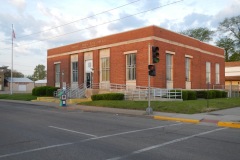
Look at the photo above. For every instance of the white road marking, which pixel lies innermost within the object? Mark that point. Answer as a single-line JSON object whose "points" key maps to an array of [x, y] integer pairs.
{"points": [[140, 130], [90, 139], [68, 130], [164, 144], [34, 150]]}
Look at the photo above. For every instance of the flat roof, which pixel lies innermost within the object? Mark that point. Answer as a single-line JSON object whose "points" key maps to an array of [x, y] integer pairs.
{"points": [[18, 79], [232, 64]]}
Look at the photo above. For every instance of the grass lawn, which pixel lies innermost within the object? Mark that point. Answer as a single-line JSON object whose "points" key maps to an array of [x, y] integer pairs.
{"points": [[187, 107], [18, 96]]}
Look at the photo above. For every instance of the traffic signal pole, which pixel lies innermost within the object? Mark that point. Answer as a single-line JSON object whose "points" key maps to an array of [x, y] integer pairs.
{"points": [[149, 109]]}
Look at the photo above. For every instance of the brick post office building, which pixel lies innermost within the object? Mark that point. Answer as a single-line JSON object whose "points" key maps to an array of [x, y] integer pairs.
{"points": [[122, 59]]}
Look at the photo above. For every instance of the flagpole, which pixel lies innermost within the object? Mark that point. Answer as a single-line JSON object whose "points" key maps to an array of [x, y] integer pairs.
{"points": [[11, 90]]}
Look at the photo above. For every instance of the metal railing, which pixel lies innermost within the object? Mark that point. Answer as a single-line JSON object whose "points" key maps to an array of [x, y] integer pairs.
{"points": [[155, 94], [72, 92], [233, 90], [131, 92], [140, 92]]}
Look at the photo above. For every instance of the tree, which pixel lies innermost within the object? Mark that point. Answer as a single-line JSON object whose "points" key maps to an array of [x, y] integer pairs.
{"points": [[235, 56], [31, 77], [231, 26], [228, 45], [201, 33], [15, 74], [39, 72]]}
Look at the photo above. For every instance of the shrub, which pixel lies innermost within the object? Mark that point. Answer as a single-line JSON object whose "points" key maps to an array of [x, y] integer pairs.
{"points": [[224, 94], [50, 90], [108, 96], [218, 94], [211, 94], [185, 95], [201, 94], [43, 91], [189, 95], [34, 91], [192, 95]]}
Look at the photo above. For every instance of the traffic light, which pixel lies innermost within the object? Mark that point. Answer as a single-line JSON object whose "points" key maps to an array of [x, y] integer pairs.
{"points": [[155, 54], [151, 70]]}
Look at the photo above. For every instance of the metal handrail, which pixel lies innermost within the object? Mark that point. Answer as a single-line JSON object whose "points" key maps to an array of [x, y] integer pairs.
{"points": [[130, 92]]}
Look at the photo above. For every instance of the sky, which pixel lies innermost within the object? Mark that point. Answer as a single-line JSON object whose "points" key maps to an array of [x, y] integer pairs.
{"points": [[43, 24]]}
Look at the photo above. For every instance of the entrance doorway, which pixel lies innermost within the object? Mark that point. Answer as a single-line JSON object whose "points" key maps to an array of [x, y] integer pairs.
{"points": [[88, 73], [88, 80]]}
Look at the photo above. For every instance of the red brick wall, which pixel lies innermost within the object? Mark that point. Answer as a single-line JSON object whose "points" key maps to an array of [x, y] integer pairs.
{"points": [[96, 66], [118, 58]]}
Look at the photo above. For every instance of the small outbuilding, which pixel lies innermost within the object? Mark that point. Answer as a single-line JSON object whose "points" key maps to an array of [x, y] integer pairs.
{"points": [[232, 73], [39, 83], [19, 84]]}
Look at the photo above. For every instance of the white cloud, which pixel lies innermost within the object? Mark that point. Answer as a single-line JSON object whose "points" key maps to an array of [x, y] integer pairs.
{"points": [[127, 22], [31, 17], [18, 3]]}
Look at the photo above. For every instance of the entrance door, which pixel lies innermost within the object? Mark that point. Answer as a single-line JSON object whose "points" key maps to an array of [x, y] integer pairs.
{"points": [[88, 73], [22, 88], [88, 80]]}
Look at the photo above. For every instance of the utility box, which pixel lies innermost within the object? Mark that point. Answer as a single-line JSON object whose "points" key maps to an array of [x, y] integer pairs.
{"points": [[63, 99]]}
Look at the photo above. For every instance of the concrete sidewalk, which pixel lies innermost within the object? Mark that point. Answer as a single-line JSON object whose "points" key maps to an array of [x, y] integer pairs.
{"points": [[224, 118]]}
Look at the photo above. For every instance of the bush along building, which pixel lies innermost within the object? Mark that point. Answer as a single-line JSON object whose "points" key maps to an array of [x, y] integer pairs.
{"points": [[124, 61]]}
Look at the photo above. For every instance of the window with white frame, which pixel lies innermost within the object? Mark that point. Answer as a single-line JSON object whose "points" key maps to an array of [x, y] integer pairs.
{"points": [[208, 72], [217, 70], [105, 69], [57, 73], [74, 71], [169, 67], [131, 66], [187, 69]]}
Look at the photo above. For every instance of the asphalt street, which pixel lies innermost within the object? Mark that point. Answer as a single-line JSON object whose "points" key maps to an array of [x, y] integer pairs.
{"points": [[35, 132]]}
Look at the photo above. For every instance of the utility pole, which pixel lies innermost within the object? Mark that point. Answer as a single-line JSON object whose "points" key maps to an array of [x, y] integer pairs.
{"points": [[11, 88], [149, 109]]}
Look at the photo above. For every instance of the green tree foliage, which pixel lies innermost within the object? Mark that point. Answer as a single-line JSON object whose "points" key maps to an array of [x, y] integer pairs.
{"points": [[31, 77], [15, 74], [39, 72], [235, 56], [202, 33], [228, 45], [231, 27]]}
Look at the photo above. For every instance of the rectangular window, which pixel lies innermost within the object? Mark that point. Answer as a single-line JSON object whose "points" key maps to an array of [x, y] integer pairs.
{"points": [[105, 69], [217, 70], [74, 71], [187, 69], [169, 67], [131, 66], [208, 72], [57, 73]]}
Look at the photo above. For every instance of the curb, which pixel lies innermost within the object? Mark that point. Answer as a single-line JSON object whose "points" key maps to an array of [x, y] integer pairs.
{"points": [[176, 119], [229, 124]]}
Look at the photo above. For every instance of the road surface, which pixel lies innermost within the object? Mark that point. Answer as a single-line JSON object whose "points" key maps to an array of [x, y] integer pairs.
{"points": [[34, 132]]}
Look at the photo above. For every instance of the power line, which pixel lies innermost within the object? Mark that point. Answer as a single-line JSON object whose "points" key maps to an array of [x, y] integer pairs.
{"points": [[100, 24], [78, 20]]}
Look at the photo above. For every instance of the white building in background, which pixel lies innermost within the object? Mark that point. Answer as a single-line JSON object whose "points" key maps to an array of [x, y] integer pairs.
{"points": [[40, 83], [232, 73], [19, 84]]}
